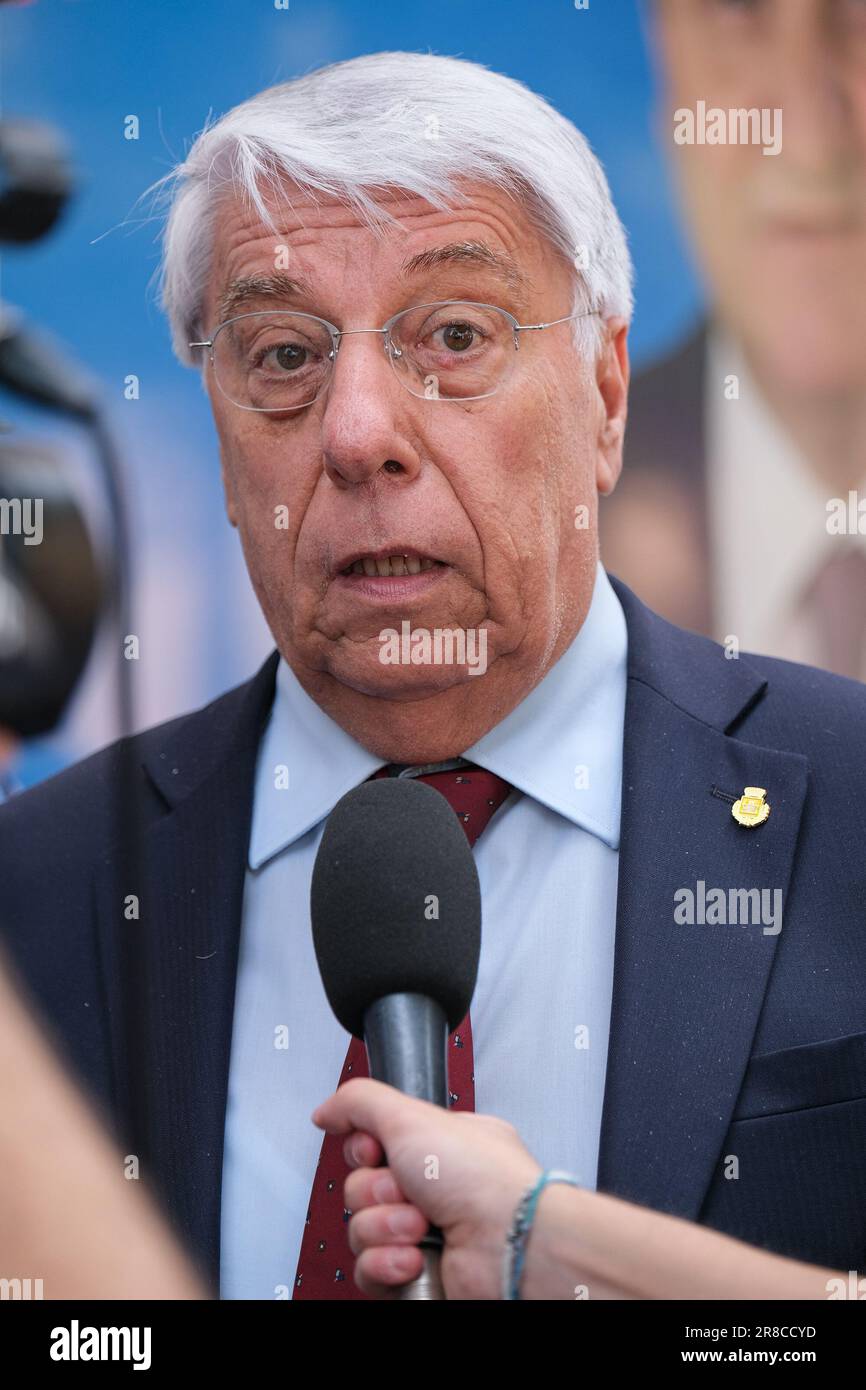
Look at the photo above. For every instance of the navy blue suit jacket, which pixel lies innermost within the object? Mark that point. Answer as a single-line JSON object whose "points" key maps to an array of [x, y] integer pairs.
{"points": [[726, 1043]]}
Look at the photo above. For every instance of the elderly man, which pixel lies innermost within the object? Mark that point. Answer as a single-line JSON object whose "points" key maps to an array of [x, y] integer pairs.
{"points": [[408, 293], [747, 442]]}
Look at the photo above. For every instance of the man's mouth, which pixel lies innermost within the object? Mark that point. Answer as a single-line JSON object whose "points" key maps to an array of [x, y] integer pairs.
{"points": [[378, 566], [392, 575]]}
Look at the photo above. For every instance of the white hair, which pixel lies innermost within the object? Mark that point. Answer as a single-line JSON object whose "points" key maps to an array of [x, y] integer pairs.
{"points": [[411, 121]]}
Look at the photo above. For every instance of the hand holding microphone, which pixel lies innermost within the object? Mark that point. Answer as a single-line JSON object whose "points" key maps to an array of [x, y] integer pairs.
{"points": [[581, 1245], [464, 1172]]}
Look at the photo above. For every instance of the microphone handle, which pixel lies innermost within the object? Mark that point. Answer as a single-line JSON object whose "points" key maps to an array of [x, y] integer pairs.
{"points": [[407, 1047]]}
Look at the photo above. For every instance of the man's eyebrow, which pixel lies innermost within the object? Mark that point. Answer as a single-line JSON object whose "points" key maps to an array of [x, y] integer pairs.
{"points": [[249, 289], [241, 292], [471, 253]]}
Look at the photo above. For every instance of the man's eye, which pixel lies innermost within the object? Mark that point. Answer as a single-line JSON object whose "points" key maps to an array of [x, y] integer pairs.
{"points": [[738, 8], [456, 337], [284, 357]]}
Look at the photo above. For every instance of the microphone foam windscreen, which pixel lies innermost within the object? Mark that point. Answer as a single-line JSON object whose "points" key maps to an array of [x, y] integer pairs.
{"points": [[395, 901]]}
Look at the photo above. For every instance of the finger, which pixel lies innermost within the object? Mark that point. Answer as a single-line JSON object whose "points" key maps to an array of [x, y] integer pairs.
{"points": [[363, 1151], [368, 1187], [393, 1224], [381, 1271], [366, 1105]]}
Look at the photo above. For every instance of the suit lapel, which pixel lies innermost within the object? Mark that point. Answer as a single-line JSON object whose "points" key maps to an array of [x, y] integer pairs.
{"points": [[171, 973], [686, 998]]}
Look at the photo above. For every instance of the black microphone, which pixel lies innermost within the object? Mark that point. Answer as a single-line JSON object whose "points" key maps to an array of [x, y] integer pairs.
{"points": [[396, 913]]}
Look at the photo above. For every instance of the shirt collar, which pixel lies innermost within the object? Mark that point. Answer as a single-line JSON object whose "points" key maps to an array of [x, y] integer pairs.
{"points": [[562, 745]]}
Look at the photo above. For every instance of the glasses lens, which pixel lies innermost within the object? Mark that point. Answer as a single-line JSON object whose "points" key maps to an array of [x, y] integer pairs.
{"points": [[454, 351], [272, 361]]}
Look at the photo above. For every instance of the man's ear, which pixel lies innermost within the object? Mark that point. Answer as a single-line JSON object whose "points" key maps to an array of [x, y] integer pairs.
{"points": [[612, 376], [228, 492]]}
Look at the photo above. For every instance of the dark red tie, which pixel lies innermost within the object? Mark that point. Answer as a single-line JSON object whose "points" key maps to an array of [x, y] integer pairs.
{"points": [[325, 1263]]}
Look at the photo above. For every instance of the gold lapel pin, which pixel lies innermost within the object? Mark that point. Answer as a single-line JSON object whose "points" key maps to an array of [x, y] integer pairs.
{"points": [[751, 808]]}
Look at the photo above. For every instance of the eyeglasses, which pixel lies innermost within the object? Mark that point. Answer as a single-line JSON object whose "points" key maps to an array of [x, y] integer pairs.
{"points": [[453, 350]]}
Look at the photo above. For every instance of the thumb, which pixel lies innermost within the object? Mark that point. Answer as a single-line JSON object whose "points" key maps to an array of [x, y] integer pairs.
{"points": [[363, 1104]]}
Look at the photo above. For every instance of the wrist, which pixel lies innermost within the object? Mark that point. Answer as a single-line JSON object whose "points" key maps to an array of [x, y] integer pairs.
{"points": [[549, 1270], [522, 1227]]}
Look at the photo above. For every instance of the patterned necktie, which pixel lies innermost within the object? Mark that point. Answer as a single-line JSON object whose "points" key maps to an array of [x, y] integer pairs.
{"points": [[326, 1263]]}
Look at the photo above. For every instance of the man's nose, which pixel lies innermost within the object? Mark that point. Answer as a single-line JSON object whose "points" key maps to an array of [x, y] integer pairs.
{"points": [[365, 410]]}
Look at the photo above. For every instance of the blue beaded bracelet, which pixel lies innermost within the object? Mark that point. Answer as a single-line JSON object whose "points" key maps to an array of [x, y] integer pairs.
{"points": [[524, 1215]]}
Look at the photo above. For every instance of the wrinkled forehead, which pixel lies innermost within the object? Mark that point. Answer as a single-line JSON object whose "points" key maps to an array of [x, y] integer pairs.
{"points": [[301, 236]]}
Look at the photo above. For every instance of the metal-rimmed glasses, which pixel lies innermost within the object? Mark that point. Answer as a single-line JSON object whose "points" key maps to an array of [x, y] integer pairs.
{"points": [[450, 350]]}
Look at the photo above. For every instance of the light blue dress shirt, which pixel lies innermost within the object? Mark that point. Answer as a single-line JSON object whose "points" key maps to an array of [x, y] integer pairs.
{"points": [[547, 864]]}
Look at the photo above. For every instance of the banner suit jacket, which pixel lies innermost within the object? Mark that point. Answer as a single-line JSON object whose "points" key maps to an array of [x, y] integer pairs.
{"points": [[736, 1075]]}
